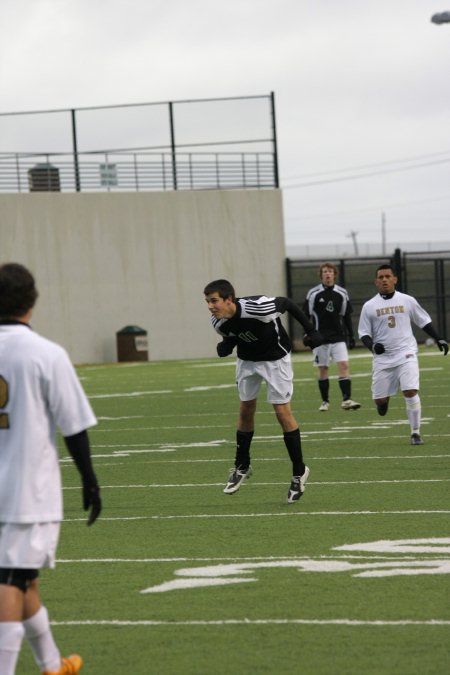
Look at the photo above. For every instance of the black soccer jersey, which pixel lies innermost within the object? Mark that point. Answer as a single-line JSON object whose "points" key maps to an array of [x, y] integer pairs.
{"points": [[329, 308], [257, 328]]}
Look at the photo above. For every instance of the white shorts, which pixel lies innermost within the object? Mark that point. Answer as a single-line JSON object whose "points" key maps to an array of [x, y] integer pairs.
{"points": [[334, 351], [387, 381], [28, 545], [278, 375]]}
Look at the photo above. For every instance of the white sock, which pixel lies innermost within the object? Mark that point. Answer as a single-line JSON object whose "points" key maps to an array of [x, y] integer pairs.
{"points": [[40, 639], [11, 636], [414, 412]]}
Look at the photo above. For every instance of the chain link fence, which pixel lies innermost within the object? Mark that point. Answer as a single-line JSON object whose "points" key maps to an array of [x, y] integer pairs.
{"points": [[426, 276]]}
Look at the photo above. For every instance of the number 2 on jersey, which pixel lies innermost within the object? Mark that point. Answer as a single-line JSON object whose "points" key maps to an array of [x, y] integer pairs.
{"points": [[4, 417]]}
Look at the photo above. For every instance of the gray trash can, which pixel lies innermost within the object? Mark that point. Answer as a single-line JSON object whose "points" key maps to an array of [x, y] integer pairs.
{"points": [[44, 178], [132, 344]]}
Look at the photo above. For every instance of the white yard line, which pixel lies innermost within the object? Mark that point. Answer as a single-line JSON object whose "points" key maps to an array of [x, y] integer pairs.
{"points": [[146, 486], [209, 516], [255, 622]]}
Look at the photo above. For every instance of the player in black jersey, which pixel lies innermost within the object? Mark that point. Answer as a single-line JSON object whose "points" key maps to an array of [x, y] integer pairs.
{"points": [[253, 325], [328, 306]]}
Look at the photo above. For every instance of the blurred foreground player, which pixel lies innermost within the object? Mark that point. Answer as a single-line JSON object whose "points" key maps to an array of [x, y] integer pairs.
{"points": [[39, 391], [263, 355]]}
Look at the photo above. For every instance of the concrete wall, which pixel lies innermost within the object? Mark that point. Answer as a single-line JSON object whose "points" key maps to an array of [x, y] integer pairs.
{"points": [[104, 261]]}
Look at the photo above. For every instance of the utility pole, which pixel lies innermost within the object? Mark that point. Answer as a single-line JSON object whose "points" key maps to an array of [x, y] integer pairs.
{"points": [[355, 243], [383, 233]]}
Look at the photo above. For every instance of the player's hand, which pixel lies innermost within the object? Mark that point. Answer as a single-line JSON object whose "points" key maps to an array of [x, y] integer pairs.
{"points": [[351, 343], [91, 500], [443, 345], [378, 348], [225, 348], [313, 340]]}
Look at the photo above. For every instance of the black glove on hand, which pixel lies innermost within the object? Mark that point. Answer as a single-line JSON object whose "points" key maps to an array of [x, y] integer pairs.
{"points": [[91, 499], [378, 348], [313, 339], [225, 348], [443, 345], [351, 343]]}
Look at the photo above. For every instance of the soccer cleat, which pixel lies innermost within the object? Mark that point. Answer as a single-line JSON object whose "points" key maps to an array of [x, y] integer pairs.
{"points": [[324, 406], [382, 408], [236, 477], [416, 439], [350, 405], [69, 666], [297, 487]]}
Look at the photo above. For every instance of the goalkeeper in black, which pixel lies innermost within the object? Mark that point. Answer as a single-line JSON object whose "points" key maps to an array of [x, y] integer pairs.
{"points": [[329, 308], [253, 325]]}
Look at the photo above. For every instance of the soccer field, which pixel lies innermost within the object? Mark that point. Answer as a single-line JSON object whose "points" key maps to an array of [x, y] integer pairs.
{"points": [[177, 577]]}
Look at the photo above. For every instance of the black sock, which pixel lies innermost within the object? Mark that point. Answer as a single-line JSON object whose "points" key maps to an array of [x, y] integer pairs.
{"points": [[345, 384], [324, 387], [243, 440], [293, 444]]}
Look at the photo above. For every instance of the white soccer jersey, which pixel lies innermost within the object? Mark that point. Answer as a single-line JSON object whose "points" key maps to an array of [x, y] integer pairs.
{"points": [[39, 391], [389, 321]]}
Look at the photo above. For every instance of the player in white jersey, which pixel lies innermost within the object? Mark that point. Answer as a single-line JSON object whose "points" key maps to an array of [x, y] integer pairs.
{"points": [[39, 392], [385, 329], [264, 355]]}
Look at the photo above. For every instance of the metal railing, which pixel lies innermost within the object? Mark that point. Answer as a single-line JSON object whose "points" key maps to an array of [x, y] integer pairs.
{"points": [[135, 171], [426, 276], [194, 144]]}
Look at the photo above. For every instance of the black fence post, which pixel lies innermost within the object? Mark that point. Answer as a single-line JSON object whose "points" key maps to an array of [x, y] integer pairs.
{"points": [[75, 152], [173, 147], [398, 267], [274, 141]]}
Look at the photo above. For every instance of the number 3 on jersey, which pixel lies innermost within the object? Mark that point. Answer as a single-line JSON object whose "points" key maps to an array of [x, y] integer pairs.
{"points": [[4, 417]]}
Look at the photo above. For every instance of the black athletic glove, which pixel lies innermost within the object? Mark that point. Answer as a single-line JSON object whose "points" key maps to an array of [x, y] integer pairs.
{"points": [[78, 447], [225, 348], [351, 343], [443, 345], [378, 348], [91, 499], [313, 340]]}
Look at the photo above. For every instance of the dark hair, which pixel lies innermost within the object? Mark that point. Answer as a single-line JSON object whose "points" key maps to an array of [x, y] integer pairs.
{"points": [[386, 267], [18, 291], [222, 287]]}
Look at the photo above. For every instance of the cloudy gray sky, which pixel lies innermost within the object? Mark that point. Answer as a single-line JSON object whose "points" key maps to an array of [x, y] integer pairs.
{"points": [[361, 86]]}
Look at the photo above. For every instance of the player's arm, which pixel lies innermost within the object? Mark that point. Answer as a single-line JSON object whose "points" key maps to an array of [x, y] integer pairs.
{"points": [[376, 348], [312, 338], [79, 449], [348, 323], [440, 341], [305, 308], [225, 348]]}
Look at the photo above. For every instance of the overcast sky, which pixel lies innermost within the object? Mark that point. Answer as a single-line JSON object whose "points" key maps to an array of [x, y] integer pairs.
{"points": [[361, 87]]}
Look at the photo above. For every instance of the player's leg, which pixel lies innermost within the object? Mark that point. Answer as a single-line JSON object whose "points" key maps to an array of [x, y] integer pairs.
{"points": [[249, 383], [279, 378], [11, 628], [321, 361], [339, 354], [385, 384], [409, 384], [38, 632], [244, 433]]}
